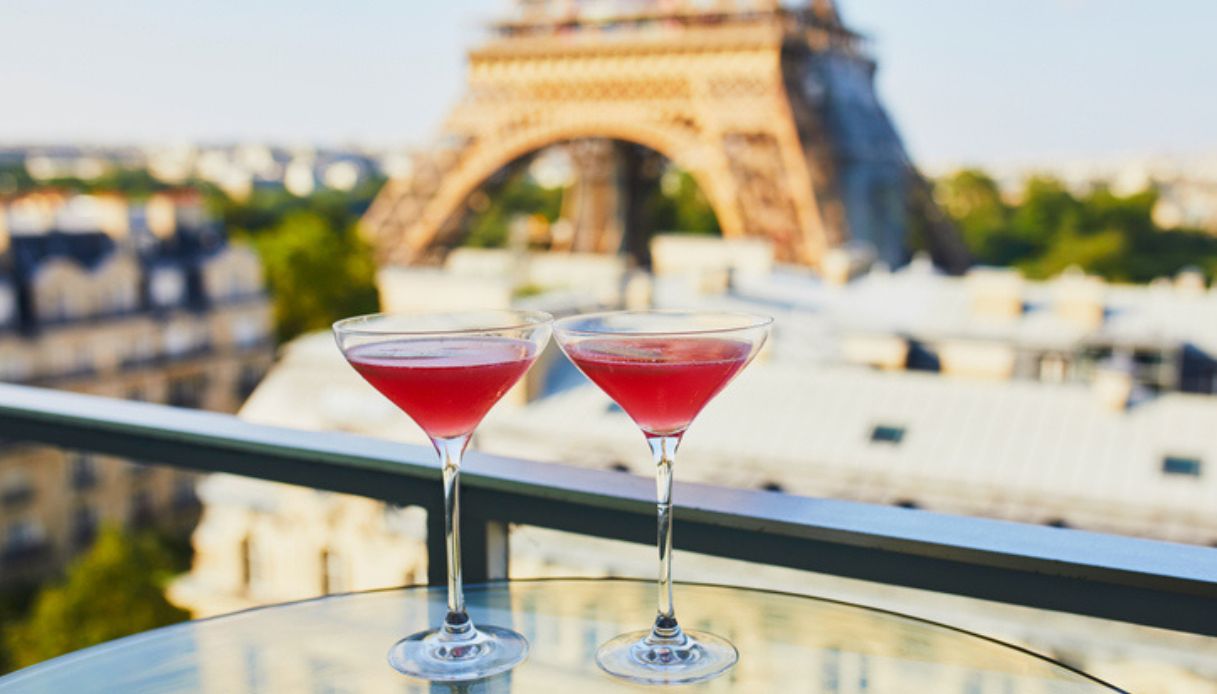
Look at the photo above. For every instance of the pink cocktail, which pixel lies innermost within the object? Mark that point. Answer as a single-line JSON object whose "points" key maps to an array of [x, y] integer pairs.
{"points": [[662, 368], [446, 384], [662, 383], [446, 371]]}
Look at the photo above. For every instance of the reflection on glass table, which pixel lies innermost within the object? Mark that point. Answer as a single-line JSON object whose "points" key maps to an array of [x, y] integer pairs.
{"points": [[337, 644]]}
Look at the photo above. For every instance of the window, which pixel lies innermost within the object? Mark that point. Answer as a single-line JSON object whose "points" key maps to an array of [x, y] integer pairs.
{"points": [[8, 305], [1181, 465], [248, 380], [187, 391], [830, 670], [84, 472], [24, 538], [619, 467], [16, 489], [887, 433], [334, 577], [247, 331], [84, 360], [253, 566], [15, 367], [84, 526], [183, 493], [180, 340], [773, 487], [167, 287], [247, 563], [141, 512]]}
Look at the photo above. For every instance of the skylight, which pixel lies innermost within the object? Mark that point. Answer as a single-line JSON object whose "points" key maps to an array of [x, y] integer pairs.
{"points": [[1181, 465], [887, 433]]}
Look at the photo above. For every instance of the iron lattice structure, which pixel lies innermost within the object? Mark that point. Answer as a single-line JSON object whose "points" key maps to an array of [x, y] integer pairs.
{"points": [[771, 109]]}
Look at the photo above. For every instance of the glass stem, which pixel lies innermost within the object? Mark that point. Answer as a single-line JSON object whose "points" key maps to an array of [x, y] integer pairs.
{"points": [[663, 448], [456, 624]]}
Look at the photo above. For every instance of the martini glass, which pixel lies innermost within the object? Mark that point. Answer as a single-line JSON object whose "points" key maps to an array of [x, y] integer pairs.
{"points": [[661, 368], [445, 371]]}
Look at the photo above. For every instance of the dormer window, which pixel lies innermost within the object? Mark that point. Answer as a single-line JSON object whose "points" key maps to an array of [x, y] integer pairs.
{"points": [[166, 288]]}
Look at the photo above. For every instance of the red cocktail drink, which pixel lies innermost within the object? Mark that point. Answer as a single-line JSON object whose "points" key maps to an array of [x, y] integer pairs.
{"points": [[662, 368], [446, 370], [446, 385], [664, 382]]}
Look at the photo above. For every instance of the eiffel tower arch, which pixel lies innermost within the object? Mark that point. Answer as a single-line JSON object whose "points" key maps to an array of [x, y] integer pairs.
{"points": [[771, 110]]}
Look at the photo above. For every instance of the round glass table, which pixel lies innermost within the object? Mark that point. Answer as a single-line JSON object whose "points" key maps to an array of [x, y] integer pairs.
{"points": [[338, 644]]}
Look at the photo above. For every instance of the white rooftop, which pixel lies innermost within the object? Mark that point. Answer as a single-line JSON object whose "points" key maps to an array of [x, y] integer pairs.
{"points": [[1023, 450], [920, 302]]}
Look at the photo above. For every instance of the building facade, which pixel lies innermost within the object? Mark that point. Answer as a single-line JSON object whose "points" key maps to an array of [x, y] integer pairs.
{"points": [[142, 301]]}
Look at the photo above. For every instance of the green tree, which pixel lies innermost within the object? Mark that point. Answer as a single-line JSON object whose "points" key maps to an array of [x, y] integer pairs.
{"points": [[318, 272], [115, 589], [973, 200], [679, 205], [14, 179], [518, 195], [1050, 229]]}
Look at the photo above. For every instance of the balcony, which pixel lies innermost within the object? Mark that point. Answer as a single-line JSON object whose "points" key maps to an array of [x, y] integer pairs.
{"points": [[1142, 582]]}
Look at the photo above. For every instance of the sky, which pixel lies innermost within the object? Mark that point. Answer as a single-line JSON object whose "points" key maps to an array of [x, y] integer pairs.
{"points": [[989, 82]]}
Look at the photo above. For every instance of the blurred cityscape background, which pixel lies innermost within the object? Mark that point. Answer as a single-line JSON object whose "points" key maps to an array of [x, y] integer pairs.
{"points": [[988, 236]]}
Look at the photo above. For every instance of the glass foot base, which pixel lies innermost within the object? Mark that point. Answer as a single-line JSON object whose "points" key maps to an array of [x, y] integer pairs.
{"points": [[691, 656], [433, 655]]}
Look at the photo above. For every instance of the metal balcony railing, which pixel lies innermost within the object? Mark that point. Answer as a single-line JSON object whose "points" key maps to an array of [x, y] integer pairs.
{"points": [[1132, 580]]}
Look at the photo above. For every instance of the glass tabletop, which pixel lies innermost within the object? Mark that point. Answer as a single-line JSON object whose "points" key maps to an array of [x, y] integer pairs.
{"points": [[338, 644]]}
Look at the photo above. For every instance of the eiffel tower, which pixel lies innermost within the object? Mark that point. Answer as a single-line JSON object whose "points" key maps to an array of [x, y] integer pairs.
{"points": [[771, 109]]}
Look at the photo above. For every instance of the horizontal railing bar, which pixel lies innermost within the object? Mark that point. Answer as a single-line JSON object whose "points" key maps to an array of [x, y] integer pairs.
{"points": [[1141, 581]]}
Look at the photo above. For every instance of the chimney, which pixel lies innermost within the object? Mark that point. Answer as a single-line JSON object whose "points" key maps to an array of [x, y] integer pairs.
{"points": [[1190, 281], [1078, 299], [1113, 383], [4, 233], [113, 215], [161, 215], [995, 293], [842, 264]]}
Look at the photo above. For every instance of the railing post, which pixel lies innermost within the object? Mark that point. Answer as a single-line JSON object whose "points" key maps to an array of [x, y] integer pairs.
{"points": [[484, 548], [437, 567], [498, 547]]}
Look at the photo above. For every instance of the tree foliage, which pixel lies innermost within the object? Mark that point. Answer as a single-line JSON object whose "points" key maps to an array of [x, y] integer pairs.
{"points": [[1050, 228], [675, 204], [519, 195], [318, 271], [318, 267], [679, 205], [115, 589]]}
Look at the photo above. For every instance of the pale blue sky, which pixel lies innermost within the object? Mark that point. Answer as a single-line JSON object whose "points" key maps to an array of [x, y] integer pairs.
{"points": [[966, 80]]}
